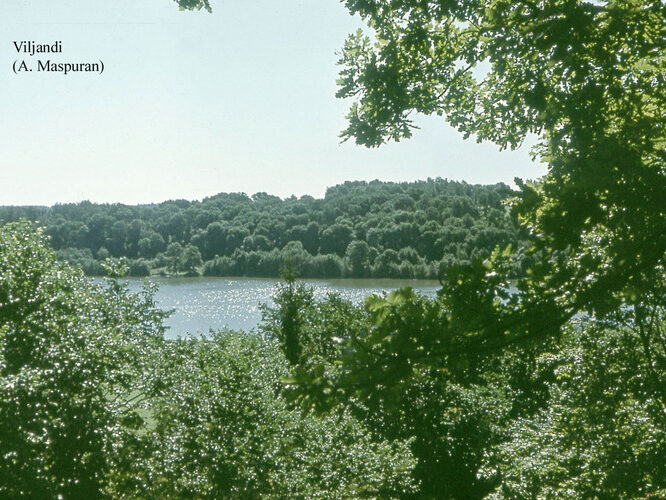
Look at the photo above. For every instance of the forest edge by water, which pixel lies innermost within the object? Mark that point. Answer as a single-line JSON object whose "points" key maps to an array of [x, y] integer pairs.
{"points": [[557, 390], [359, 229]]}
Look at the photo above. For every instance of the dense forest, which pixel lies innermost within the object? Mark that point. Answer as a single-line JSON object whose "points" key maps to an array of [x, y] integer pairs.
{"points": [[545, 383], [359, 229], [393, 398]]}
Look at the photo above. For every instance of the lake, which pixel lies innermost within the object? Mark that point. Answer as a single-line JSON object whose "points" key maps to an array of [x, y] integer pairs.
{"points": [[202, 304]]}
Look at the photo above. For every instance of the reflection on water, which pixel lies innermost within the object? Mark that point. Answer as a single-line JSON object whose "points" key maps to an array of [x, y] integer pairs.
{"points": [[202, 304]]}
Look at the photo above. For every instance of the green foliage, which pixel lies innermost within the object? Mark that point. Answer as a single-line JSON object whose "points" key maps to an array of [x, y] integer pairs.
{"points": [[357, 257], [138, 267], [222, 430], [191, 260], [72, 360], [94, 402], [587, 77], [290, 298], [492, 403], [495, 388], [602, 433], [194, 5], [550, 67], [174, 256], [368, 360], [235, 235]]}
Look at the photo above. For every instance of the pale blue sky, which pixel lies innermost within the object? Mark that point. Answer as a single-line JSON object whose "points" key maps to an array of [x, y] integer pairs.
{"points": [[191, 104]]}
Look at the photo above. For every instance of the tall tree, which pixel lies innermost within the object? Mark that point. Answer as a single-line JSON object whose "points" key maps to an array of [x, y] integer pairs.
{"points": [[73, 360], [586, 77]]}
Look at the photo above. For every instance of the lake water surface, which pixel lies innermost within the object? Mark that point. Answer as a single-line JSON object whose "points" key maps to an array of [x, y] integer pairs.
{"points": [[202, 304]]}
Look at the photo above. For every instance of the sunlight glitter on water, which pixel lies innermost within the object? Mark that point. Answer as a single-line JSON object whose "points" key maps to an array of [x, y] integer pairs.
{"points": [[202, 304]]}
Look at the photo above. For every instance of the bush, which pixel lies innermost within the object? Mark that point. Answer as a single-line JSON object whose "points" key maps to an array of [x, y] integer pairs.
{"points": [[72, 353], [222, 430], [602, 432], [139, 267]]}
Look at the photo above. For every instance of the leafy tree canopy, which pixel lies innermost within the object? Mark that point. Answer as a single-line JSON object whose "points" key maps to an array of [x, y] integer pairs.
{"points": [[442, 222], [95, 403], [74, 358], [194, 5], [586, 77]]}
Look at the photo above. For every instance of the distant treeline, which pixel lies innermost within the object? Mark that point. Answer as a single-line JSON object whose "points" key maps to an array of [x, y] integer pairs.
{"points": [[359, 229]]}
